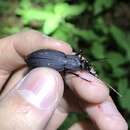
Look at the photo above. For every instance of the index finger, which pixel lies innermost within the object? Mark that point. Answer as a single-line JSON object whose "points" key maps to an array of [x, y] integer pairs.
{"points": [[14, 48]]}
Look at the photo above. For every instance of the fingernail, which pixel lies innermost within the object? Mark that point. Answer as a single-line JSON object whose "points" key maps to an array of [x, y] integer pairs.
{"points": [[109, 108], [39, 89]]}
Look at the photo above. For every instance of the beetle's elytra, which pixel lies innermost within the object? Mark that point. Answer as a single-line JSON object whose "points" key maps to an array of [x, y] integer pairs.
{"points": [[58, 61]]}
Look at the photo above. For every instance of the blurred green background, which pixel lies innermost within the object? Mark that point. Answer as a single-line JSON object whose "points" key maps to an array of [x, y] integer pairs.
{"points": [[101, 28]]}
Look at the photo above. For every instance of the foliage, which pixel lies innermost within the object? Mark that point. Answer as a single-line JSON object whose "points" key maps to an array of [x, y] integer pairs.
{"points": [[84, 26], [99, 5]]}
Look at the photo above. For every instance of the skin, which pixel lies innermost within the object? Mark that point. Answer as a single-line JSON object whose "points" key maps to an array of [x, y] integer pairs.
{"points": [[32, 102]]}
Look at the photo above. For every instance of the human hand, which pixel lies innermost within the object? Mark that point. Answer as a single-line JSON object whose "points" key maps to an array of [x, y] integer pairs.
{"points": [[36, 102]]}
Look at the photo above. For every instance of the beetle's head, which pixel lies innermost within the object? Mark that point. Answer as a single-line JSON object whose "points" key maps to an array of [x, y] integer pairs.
{"points": [[85, 65]]}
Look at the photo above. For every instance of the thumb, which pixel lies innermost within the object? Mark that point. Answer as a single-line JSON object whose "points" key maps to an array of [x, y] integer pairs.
{"points": [[31, 104]]}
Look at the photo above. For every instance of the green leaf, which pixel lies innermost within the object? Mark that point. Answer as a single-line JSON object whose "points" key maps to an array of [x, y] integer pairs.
{"points": [[88, 35], [122, 40], [100, 25], [25, 4], [33, 14], [100, 5], [124, 101], [118, 72], [98, 50], [119, 36], [66, 10], [48, 7], [115, 59], [60, 34], [123, 86], [51, 24]]}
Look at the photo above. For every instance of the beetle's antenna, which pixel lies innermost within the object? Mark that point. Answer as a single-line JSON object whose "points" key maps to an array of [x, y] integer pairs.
{"points": [[100, 60], [113, 89], [109, 86], [79, 52]]}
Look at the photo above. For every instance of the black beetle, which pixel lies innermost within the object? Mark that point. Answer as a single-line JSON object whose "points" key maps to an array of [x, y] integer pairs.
{"points": [[58, 61], [61, 62]]}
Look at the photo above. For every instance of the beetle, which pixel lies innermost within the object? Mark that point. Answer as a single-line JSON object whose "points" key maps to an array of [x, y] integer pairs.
{"points": [[61, 62]]}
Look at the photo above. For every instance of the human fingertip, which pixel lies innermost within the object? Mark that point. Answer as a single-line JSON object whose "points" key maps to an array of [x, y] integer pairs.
{"points": [[110, 112], [31, 104], [61, 45], [112, 123], [42, 87], [88, 87]]}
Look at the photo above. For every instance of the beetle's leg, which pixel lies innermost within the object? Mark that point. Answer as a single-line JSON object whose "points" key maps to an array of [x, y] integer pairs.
{"points": [[79, 76], [78, 53]]}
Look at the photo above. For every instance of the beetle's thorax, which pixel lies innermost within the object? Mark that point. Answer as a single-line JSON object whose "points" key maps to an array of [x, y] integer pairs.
{"points": [[73, 62]]}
